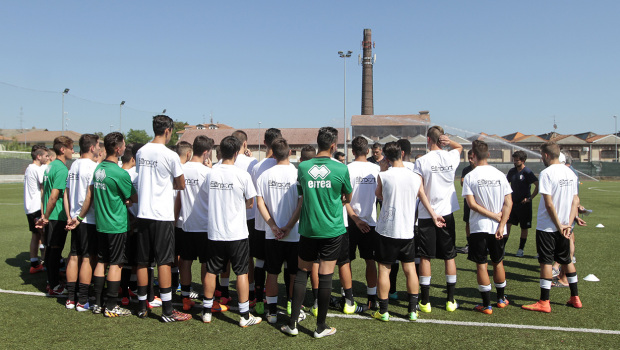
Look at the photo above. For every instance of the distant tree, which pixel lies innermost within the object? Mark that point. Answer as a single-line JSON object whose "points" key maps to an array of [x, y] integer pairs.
{"points": [[137, 136], [100, 134], [178, 126]]}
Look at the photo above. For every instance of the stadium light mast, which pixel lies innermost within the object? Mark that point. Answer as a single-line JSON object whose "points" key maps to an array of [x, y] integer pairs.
{"points": [[62, 132], [120, 114], [344, 57]]}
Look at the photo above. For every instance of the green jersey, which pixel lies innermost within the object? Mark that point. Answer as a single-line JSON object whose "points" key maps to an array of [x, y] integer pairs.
{"points": [[112, 186], [322, 182], [55, 178]]}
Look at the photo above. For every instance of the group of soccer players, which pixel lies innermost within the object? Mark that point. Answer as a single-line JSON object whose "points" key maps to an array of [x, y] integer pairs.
{"points": [[168, 208]]}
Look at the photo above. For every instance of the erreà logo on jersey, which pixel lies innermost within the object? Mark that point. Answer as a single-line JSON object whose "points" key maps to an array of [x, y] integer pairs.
{"points": [[100, 175], [319, 172]]}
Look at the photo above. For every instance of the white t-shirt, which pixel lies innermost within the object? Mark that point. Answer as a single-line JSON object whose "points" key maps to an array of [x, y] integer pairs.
{"points": [[79, 178], [195, 174], [246, 163], [134, 181], [257, 171], [157, 166], [364, 183], [437, 168], [409, 165], [488, 186], [33, 182], [229, 187], [400, 189], [560, 182], [278, 187]]}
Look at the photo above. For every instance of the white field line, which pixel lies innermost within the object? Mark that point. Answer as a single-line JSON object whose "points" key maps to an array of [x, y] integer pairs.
{"points": [[454, 323], [602, 190]]}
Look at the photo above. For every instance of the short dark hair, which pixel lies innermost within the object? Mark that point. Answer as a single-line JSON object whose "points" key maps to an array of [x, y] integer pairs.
{"points": [[434, 132], [392, 151], [359, 146], [87, 141], [202, 144], [37, 150], [307, 152], [405, 146], [135, 147], [229, 146], [520, 155], [126, 157], [111, 141], [481, 149], [280, 149], [338, 154], [470, 152], [240, 135], [376, 145], [182, 148], [60, 142], [326, 138], [551, 148], [161, 123], [270, 135]]}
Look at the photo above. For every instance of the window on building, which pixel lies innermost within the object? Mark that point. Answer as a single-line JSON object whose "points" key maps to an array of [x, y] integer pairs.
{"points": [[575, 155], [608, 153], [495, 153]]}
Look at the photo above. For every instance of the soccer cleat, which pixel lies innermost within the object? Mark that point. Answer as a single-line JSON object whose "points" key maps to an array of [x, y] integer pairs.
{"points": [[413, 316], [217, 307], [302, 316], [519, 253], [176, 316], [259, 308], [574, 302], [286, 329], [393, 296], [58, 290], [193, 295], [272, 318], [117, 311], [97, 309], [217, 293], [253, 302], [206, 317], [143, 313], [70, 304], [354, 309], [326, 332], [124, 301], [188, 304], [81, 308], [381, 316], [541, 305], [250, 321], [36, 269], [502, 302], [225, 300], [426, 308], [488, 310], [155, 303], [451, 306], [314, 310], [133, 293], [289, 307], [178, 290]]}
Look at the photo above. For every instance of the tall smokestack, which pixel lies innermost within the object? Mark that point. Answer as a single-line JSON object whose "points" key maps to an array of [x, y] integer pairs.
{"points": [[367, 62]]}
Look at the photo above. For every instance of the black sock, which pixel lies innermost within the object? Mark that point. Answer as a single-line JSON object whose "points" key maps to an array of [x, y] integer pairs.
{"points": [[133, 285], [166, 304], [125, 277], [218, 286], [287, 281], [544, 294], [372, 301], [522, 243], [112, 294], [273, 308], [325, 291], [35, 263], [151, 288], [174, 280], [486, 298], [425, 293], [573, 286], [413, 302], [185, 290], [53, 265], [98, 281], [348, 295], [142, 290], [383, 306], [450, 287], [226, 292], [83, 293], [500, 292], [71, 290], [393, 277], [259, 282], [315, 294], [299, 291]]}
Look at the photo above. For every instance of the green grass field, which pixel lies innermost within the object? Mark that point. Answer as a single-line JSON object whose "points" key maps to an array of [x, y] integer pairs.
{"points": [[34, 321]]}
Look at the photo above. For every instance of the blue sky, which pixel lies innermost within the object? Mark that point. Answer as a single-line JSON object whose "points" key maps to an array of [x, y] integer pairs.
{"points": [[491, 66]]}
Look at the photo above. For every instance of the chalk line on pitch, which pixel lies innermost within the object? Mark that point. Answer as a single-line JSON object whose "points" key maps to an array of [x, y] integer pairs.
{"points": [[444, 322]]}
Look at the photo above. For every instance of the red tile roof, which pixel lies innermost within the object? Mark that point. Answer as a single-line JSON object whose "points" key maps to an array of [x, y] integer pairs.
{"points": [[294, 136], [47, 136]]}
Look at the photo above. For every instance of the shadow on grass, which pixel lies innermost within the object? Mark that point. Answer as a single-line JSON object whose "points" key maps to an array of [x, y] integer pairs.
{"points": [[22, 261]]}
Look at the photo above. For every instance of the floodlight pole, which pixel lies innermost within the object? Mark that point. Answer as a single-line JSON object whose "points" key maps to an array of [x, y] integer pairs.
{"points": [[344, 57], [62, 132], [120, 122]]}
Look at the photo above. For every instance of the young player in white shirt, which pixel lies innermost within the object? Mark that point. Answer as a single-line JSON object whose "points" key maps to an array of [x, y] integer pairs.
{"points": [[556, 212], [83, 254], [184, 150], [399, 189], [33, 185], [230, 192], [279, 204], [159, 174], [437, 169], [488, 195]]}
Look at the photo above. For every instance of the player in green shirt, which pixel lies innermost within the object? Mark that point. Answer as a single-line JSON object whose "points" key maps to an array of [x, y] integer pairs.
{"points": [[54, 217], [325, 187]]}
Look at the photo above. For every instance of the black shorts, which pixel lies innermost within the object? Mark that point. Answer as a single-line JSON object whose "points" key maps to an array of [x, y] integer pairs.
{"points": [[219, 253], [131, 247], [416, 240], [521, 214], [437, 242], [343, 257], [194, 246], [155, 242], [179, 235], [257, 241], [84, 241], [56, 234], [391, 249], [479, 242], [327, 249], [32, 220], [366, 242], [552, 246], [278, 252], [466, 210], [112, 248]]}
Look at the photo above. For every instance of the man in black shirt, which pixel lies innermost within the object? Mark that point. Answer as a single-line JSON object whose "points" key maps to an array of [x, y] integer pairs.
{"points": [[521, 178], [466, 171]]}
